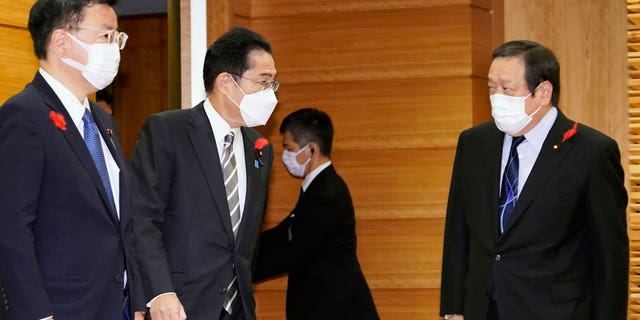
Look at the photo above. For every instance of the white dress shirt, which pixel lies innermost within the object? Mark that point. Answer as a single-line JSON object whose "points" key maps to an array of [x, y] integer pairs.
{"points": [[76, 110], [529, 149], [313, 174]]}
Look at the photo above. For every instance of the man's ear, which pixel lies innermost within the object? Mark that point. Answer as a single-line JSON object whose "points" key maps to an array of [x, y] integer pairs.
{"points": [[223, 83], [545, 92], [58, 43]]}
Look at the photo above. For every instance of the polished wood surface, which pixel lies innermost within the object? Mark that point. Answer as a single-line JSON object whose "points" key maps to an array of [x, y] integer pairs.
{"points": [[18, 63], [15, 13], [633, 61], [141, 87], [401, 80]]}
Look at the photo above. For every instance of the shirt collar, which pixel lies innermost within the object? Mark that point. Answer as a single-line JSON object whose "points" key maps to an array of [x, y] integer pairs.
{"points": [[219, 126], [68, 99], [538, 134], [313, 174]]}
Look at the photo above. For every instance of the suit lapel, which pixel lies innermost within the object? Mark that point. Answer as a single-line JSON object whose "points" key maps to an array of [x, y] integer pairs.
{"points": [[204, 145], [253, 179], [548, 160], [73, 137], [493, 151], [108, 136]]}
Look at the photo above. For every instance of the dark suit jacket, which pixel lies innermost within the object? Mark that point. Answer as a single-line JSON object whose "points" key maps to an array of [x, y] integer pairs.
{"points": [[316, 245], [62, 248], [182, 222], [564, 253]]}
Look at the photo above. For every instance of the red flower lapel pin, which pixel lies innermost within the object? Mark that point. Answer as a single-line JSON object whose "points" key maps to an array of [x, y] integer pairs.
{"points": [[258, 146], [568, 135], [58, 120]]}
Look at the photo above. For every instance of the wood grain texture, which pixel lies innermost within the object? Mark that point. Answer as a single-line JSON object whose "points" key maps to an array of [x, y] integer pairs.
{"points": [[15, 12], [140, 89], [401, 260], [400, 79], [274, 8], [384, 184], [592, 57], [384, 114], [18, 63], [405, 304], [374, 45]]}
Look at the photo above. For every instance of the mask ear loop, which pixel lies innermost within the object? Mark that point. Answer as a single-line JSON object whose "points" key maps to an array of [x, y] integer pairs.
{"points": [[237, 85]]}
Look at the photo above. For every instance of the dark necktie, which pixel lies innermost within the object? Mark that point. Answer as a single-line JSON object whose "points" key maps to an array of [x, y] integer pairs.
{"points": [[92, 140], [230, 174], [509, 189]]}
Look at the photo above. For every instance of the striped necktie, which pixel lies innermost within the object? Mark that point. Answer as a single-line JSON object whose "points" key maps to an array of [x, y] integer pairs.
{"points": [[230, 176]]}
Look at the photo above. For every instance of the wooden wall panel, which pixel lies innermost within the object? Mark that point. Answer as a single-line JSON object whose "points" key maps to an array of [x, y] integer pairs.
{"points": [[18, 63], [272, 8], [412, 108], [589, 39], [15, 12], [141, 87], [371, 45], [400, 80], [384, 184]]}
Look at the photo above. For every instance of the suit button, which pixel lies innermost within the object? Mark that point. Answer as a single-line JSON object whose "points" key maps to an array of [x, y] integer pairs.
{"points": [[498, 257], [222, 290], [119, 278]]}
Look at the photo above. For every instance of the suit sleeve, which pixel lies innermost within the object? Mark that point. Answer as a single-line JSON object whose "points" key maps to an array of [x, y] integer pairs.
{"points": [[606, 210], [272, 255], [151, 173], [22, 167], [456, 244]]}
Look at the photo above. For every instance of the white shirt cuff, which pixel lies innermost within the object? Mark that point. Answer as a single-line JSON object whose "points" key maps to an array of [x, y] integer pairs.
{"points": [[158, 296]]}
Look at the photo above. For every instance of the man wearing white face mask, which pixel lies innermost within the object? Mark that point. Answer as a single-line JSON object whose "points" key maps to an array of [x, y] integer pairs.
{"points": [[201, 178], [66, 242], [536, 218], [316, 243]]}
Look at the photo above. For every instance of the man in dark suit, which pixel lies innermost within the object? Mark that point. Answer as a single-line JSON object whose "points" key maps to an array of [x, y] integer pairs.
{"points": [[201, 187], [536, 224], [65, 236], [316, 243]]}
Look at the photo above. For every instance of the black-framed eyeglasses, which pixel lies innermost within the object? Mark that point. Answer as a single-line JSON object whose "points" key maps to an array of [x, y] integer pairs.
{"points": [[113, 36], [264, 84]]}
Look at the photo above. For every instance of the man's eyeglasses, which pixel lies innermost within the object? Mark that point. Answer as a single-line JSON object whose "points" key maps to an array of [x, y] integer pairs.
{"points": [[112, 36], [264, 84]]}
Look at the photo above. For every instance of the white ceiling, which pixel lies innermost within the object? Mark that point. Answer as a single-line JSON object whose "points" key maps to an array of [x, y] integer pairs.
{"points": [[135, 7]]}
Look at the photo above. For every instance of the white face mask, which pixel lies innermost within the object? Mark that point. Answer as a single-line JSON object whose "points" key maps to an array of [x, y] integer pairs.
{"points": [[289, 158], [256, 108], [103, 60], [509, 112]]}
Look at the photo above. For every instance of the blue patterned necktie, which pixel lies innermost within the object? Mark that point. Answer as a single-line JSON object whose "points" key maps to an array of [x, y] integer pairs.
{"points": [[92, 140], [509, 189]]}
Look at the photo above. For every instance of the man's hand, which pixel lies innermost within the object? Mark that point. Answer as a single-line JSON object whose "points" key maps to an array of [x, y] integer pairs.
{"points": [[456, 317], [138, 315], [167, 307]]}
